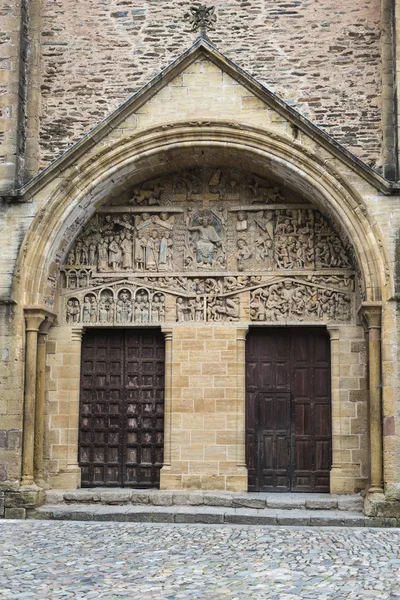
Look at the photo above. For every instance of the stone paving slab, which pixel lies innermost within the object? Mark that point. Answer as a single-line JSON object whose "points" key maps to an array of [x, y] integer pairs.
{"points": [[259, 501], [206, 514], [55, 560]]}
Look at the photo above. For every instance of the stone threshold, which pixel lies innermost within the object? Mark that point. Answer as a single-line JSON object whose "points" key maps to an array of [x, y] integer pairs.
{"points": [[212, 515], [256, 501]]}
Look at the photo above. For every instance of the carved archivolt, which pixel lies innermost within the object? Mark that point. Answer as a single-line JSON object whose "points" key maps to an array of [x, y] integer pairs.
{"points": [[207, 245]]}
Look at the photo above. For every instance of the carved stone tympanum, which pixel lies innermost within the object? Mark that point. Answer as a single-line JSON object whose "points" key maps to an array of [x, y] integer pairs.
{"points": [[207, 245]]}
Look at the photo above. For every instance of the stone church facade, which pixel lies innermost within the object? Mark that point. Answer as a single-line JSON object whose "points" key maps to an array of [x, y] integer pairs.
{"points": [[201, 292]]}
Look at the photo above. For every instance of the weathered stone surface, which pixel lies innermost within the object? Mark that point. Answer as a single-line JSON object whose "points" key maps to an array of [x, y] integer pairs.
{"points": [[210, 499], [285, 501], [160, 499], [322, 502], [117, 497], [249, 501], [79, 496], [199, 515], [354, 503], [15, 513], [26, 499], [344, 48], [190, 499]]}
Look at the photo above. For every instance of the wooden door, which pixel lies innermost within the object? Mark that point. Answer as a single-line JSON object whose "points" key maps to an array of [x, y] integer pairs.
{"points": [[121, 408], [288, 410]]}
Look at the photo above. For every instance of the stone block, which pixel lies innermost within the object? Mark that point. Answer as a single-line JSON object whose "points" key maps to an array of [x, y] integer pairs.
{"points": [[322, 502], [351, 503], [293, 517], [116, 497], [54, 496], [242, 516], [218, 500], [249, 501], [23, 499], [149, 516], [139, 497], [189, 499], [2, 504], [285, 501], [199, 515], [160, 499], [15, 513], [82, 496]]}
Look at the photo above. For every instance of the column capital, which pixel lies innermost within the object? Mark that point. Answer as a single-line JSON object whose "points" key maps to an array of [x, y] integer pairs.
{"points": [[372, 314], [334, 332], [77, 333], [167, 331], [241, 332], [35, 317], [47, 324]]}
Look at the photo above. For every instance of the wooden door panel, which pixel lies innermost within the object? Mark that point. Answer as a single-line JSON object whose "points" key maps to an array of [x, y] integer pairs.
{"points": [[122, 408], [274, 440], [288, 436]]}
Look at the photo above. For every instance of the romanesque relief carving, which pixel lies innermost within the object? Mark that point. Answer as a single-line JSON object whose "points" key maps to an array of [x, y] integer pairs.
{"points": [[205, 241], [116, 306], [290, 301], [207, 309], [198, 240]]}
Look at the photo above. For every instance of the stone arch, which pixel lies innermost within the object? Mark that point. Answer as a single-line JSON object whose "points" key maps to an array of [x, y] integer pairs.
{"points": [[86, 186], [89, 183]]}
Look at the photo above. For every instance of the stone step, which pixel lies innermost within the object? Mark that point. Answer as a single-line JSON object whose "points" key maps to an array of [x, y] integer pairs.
{"points": [[259, 501], [208, 514]]}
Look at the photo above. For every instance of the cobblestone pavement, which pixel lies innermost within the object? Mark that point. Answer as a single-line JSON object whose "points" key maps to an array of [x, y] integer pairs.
{"points": [[135, 561]]}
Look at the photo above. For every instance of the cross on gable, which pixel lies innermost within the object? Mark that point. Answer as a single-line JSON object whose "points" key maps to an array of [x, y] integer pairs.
{"points": [[201, 18]]}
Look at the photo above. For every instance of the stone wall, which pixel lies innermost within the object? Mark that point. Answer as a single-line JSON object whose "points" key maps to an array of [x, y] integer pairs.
{"points": [[321, 58]]}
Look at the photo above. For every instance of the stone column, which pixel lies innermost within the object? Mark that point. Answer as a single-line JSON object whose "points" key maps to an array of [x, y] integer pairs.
{"points": [[336, 468], [40, 402], [71, 477], [372, 315], [167, 404], [241, 334], [33, 319]]}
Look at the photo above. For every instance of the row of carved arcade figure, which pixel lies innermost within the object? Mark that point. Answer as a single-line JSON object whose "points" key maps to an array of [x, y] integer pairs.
{"points": [[293, 300], [123, 251], [141, 307]]}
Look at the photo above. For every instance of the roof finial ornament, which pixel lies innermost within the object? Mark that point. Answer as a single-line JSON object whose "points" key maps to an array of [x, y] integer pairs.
{"points": [[202, 18]]}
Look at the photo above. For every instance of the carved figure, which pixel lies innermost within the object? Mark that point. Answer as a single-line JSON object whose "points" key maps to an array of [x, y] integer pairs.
{"points": [[124, 308], [114, 253], [70, 312], [127, 250], [243, 252], [152, 251], [165, 260], [102, 255], [86, 310], [205, 239], [242, 222]]}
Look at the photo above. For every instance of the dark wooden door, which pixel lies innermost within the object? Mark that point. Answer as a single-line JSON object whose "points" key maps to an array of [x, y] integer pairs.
{"points": [[121, 429], [288, 410]]}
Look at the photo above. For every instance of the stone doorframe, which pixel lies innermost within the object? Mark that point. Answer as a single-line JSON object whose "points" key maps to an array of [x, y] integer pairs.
{"points": [[173, 475]]}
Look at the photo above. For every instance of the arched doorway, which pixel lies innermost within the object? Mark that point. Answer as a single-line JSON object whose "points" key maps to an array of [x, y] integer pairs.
{"points": [[222, 241]]}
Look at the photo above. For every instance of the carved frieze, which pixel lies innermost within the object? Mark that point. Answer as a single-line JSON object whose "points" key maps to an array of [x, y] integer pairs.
{"points": [[201, 241]]}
